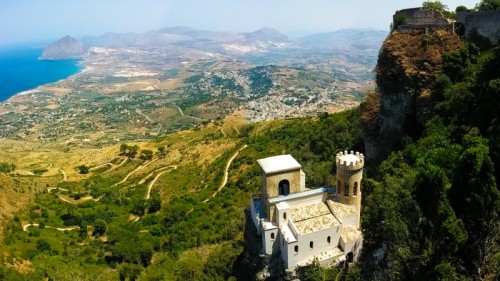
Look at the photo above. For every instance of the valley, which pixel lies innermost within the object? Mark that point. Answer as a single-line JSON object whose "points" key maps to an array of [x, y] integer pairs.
{"points": [[147, 156]]}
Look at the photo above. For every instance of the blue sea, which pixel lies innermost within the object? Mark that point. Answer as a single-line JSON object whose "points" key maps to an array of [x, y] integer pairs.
{"points": [[21, 70]]}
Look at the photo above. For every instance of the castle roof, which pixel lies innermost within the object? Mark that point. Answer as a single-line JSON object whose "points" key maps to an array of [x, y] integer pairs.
{"points": [[278, 163], [350, 234], [312, 218]]}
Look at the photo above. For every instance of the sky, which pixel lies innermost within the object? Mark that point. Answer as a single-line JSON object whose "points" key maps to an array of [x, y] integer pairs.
{"points": [[46, 20]]}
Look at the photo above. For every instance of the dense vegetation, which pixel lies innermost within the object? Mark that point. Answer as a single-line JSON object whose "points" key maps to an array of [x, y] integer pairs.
{"points": [[433, 210]]}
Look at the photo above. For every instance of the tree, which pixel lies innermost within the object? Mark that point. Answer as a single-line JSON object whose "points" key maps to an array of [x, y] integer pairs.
{"points": [[133, 151], [130, 271], [42, 245], [99, 227], [146, 154], [488, 5], [123, 148], [439, 6], [161, 152], [436, 5], [83, 169]]}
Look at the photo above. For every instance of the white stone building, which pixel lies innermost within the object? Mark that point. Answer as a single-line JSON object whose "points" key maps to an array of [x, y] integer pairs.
{"points": [[303, 224]]}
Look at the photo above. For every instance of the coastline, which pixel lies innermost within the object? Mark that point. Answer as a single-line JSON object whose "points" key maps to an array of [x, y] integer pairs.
{"points": [[80, 64]]}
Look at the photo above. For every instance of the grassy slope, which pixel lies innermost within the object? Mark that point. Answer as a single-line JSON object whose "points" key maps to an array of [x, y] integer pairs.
{"points": [[186, 226]]}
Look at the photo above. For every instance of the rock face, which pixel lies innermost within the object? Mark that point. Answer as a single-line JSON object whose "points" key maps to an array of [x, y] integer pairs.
{"points": [[407, 66], [64, 48]]}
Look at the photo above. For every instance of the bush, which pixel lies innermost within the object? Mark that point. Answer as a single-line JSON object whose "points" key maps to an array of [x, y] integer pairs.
{"points": [[83, 169]]}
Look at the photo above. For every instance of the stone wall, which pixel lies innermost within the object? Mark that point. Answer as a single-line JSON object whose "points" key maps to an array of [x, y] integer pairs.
{"points": [[427, 17], [418, 19], [486, 24]]}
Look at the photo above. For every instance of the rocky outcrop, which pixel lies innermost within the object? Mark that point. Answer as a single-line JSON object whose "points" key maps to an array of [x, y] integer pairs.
{"points": [[407, 66], [64, 48]]}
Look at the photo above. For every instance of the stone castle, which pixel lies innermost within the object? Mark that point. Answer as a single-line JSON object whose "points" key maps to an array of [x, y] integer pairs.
{"points": [[301, 224], [466, 23]]}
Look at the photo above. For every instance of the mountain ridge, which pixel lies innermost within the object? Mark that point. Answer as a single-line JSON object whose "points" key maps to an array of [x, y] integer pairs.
{"points": [[64, 48]]}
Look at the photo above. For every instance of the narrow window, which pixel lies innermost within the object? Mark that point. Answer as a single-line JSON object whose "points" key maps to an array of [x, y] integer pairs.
{"points": [[328, 239], [296, 248], [311, 245], [272, 235], [355, 189], [339, 186], [284, 215], [346, 189]]}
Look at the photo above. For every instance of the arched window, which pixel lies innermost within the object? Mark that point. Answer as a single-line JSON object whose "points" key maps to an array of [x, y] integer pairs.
{"points": [[339, 186], [311, 244], [328, 239], [355, 189], [296, 249], [272, 235], [284, 187], [284, 215], [346, 189]]}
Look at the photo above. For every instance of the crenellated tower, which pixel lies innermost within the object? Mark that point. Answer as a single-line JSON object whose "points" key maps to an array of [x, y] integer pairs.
{"points": [[349, 175]]}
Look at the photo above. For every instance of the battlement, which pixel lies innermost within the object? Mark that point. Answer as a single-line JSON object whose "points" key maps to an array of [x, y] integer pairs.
{"points": [[350, 161]]}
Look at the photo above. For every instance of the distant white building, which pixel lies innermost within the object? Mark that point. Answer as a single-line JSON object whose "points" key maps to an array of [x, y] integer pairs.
{"points": [[303, 224]]}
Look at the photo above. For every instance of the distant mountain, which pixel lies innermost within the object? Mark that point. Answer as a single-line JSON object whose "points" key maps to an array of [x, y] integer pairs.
{"points": [[198, 34], [259, 41], [64, 48], [347, 38], [267, 34]]}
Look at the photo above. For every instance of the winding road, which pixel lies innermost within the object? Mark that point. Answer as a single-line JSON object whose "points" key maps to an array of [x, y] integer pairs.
{"points": [[28, 225], [226, 173], [79, 201], [65, 177], [182, 113], [102, 165], [150, 185], [157, 170], [134, 171], [236, 129]]}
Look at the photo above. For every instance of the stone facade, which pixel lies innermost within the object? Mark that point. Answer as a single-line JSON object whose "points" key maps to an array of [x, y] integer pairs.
{"points": [[300, 224], [468, 24], [486, 24]]}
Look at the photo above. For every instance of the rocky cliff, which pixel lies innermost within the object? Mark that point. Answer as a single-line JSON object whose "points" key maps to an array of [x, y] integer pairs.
{"points": [[64, 48], [407, 66]]}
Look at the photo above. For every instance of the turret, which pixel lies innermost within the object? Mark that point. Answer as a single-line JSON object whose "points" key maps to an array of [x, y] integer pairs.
{"points": [[349, 175]]}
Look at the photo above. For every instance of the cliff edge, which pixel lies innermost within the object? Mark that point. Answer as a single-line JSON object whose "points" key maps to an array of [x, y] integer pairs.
{"points": [[64, 48], [407, 66]]}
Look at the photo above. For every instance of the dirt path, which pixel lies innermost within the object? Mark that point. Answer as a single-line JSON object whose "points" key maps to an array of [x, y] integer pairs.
{"points": [[50, 164], [79, 201], [102, 165], [182, 113], [150, 185], [159, 129], [223, 133], [138, 111], [226, 173], [28, 225], [157, 170], [52, 188], [236, 129], [65, 177], [134, 171]]}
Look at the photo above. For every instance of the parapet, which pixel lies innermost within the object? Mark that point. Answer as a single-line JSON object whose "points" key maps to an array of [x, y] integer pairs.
{"points": [[350, 161]]}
